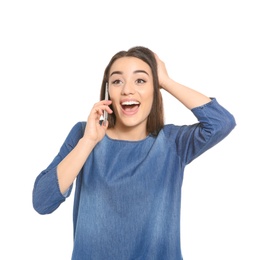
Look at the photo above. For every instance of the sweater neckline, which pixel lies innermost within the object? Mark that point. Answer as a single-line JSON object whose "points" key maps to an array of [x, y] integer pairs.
{"points": [[128, 141]]}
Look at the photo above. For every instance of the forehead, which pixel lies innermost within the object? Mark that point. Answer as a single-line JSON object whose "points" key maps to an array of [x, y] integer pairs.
{"points": [[129, 65]]}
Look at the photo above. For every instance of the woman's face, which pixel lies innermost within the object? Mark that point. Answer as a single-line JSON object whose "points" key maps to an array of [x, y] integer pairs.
{"points": [[131, 91]]}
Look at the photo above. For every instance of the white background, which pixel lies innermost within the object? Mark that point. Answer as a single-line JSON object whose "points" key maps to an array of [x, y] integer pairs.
{"points": [[52, 58]]}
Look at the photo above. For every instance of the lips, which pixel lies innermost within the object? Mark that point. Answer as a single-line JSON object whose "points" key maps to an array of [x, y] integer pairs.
{"points": [[130, 107]]}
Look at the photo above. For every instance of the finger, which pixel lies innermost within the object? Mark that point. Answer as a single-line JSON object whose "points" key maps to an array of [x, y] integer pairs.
{"points": [[103, 102]]}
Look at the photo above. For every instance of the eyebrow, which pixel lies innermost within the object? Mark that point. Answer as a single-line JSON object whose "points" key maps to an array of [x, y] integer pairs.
{"points": [[136, 71]]}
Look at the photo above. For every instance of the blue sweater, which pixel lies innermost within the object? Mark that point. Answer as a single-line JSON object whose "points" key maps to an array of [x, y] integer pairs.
{"points": [[128, 206]]}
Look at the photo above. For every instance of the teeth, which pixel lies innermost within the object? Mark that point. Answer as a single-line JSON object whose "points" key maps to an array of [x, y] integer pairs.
{"points": [[128, 103]]}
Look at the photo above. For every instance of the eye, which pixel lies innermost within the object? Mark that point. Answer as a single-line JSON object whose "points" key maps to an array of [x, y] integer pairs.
{"points": [[117, 82], [140, 81]]}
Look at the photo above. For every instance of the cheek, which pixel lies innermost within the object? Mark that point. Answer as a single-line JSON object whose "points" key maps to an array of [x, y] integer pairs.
{"points": [[149, 97], [112, 96], [114, 105], [148, 102]]}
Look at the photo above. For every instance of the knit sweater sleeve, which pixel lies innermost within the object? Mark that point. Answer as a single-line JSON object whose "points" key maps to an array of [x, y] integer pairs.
{"points": [[46, 194], [214, 124]]}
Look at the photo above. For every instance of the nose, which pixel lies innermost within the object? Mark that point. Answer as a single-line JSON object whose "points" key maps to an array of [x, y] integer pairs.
{"points": [[128, 89]]}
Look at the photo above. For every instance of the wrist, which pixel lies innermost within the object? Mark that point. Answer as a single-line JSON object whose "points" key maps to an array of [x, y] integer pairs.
{"points": [[87, 143]]}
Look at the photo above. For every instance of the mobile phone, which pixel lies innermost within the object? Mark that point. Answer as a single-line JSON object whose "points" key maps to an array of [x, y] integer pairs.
{"points": [[105, 115]]}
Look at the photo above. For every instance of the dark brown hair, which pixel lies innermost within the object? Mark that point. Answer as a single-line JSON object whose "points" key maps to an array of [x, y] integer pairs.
{"points": [[155, 119]]}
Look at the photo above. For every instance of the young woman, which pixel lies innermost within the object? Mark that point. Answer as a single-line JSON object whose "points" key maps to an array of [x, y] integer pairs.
{"points": [[129, 169]]}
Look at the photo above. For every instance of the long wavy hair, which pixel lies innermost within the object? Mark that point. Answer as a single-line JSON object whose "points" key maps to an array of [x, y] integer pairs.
{"points": [[155, 120]]}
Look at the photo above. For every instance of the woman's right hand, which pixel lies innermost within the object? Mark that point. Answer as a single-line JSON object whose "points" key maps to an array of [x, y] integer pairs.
{"points": [[95, 131]]}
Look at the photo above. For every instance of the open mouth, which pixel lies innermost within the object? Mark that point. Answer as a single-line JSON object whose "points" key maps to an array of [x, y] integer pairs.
{"points": [[130, 106]]}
